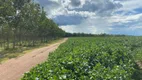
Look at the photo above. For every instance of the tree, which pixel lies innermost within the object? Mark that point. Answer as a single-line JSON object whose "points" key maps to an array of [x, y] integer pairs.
{"points": [[23, 21]]}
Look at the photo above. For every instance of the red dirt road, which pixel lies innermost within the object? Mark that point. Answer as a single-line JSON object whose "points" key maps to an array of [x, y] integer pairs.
{"points": [[14, 69]]}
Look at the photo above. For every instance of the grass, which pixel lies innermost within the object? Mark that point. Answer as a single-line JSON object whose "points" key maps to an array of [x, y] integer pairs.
{"points": [[13, 53], [138, 59], [138, 56]]}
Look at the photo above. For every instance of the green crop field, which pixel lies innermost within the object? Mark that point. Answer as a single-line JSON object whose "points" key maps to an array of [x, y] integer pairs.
{"points": [[92, 58]]}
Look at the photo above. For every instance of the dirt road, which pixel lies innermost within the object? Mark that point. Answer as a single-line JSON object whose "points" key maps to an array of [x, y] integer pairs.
{"points": [[14, 69]]}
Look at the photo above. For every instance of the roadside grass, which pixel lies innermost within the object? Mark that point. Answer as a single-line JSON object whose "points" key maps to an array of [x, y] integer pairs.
{"points": [[138, 56], [138, 59], [6, 54]]}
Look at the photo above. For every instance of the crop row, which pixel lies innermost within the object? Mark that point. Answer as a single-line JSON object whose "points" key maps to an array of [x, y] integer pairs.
{"points": [[89, 59]]}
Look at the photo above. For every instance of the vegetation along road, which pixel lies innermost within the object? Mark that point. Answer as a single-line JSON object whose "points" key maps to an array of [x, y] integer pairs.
{"points": [[92, 58], [13, 69]]}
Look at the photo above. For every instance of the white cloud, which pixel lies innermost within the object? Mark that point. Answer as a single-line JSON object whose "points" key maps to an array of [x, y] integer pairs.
{"points": [[101, 16], [125, 18], [93, 25], [130, 5], [80, 29]]}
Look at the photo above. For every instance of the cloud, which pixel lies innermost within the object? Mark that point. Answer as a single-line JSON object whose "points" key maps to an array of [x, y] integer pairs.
{"points": [[75, 2], [130, 5], [50, 6], [125, 18], [68, 19], [96, 16], [101, 7], [137, 25], [90, 25]]}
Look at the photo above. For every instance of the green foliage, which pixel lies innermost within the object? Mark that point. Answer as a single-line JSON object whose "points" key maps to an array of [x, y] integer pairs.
{"points": [[24, 21], [99, 58]]}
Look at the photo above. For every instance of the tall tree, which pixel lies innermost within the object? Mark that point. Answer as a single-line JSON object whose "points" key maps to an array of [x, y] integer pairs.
{"points": [[23, 21]]}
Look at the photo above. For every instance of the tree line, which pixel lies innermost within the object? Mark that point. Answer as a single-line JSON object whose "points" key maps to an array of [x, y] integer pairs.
{"points": [[24, 23], [91, 35]]}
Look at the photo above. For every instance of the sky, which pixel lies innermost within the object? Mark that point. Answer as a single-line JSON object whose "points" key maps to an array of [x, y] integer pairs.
{"points": [[96, 16]]}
